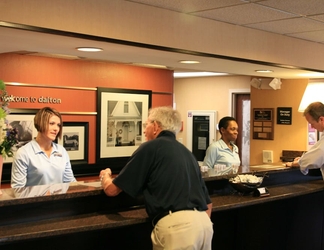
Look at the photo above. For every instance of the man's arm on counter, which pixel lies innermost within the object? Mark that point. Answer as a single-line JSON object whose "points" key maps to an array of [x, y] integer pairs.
{"points": [[108, 186]]}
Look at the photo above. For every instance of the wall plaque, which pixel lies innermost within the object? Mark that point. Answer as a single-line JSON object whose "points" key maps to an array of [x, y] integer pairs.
{"points": [[263, 123], [284, 115]]}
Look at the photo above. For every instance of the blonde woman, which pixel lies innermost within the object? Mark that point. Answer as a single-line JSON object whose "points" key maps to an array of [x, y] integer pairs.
{"points": [[42, 161]]}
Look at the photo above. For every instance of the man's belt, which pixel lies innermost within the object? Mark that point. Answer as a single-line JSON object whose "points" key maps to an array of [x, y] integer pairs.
{"points": [[161, 215]]}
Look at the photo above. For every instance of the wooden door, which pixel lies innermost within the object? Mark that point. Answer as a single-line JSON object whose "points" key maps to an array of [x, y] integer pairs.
{"points": [[242, 115]]}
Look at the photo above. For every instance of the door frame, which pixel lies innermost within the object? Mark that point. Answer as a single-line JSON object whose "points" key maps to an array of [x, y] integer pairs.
{"points": [[232, 104], [232, 111]]}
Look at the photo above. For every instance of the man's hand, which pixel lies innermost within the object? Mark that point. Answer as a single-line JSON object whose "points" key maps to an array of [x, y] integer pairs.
{"points": [[107, 183]]}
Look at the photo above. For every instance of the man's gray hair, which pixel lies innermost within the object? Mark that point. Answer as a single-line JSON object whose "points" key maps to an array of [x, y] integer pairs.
{"points": [[167, 118]]}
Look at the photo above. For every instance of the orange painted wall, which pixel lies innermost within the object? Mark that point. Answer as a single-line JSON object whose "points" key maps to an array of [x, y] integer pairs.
{"points": [[71, 99], [286, 137], [53, 73]]}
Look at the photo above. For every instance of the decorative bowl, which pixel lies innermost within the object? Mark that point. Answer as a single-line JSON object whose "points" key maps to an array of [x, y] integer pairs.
{"points": [[246, 183]]}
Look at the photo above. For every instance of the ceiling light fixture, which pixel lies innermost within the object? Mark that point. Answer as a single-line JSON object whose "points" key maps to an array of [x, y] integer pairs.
{"points": [[189, 61], [264, 83], [196, 74], [256, 83], [264, 71], [89, 49], [313, 93], [275, 83]]}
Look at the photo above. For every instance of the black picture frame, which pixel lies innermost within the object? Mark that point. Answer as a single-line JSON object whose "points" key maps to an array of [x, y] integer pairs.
{"points": [[18, 115], [120, 115], [23, 120], [75, 138]]}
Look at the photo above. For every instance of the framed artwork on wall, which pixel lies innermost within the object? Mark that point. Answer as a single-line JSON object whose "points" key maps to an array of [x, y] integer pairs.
{"points": [[263, 123], [75, 141], [24, 123], [120, 115]]}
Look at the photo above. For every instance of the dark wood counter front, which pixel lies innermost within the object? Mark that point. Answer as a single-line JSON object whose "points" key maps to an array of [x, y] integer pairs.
{"points": [[84, 217]]}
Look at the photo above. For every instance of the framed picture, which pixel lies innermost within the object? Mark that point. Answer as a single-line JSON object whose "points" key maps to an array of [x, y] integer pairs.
{"points": [[75, 141], [26, 130], [263, 123], [120, 116]]}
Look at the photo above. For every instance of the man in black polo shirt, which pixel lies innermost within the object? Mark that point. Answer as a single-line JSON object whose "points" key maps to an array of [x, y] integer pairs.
{"points": [[168, 175]]}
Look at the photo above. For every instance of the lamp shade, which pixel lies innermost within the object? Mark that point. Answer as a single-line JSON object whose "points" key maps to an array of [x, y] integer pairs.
{"points": [[314, 93]]}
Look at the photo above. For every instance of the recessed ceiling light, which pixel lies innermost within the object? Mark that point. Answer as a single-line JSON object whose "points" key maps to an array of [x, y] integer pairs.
{"points": [[264, 71], [89, 49], [189, 61], [196, 74]]}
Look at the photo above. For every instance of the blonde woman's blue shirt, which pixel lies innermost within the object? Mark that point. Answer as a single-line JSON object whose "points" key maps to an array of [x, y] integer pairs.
{"points": [[31, 166], [219, 153]]}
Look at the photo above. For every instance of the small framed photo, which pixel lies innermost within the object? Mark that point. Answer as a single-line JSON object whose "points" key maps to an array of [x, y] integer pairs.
{"points": [[75, 141]]}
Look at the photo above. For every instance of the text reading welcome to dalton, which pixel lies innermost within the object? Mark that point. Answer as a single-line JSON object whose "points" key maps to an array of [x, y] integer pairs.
{"points": [[40, 99]]}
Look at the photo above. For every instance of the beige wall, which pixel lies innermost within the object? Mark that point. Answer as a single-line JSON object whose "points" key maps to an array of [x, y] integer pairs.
{"points": [[207, 93], [213, 93]]}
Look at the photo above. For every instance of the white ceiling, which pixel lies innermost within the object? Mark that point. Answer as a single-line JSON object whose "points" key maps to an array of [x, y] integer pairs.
{"points": [[295, 18], [303, 19]]}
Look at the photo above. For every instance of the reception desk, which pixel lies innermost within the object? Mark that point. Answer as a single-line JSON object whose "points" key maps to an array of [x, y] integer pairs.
{"points": [[80, 216]]}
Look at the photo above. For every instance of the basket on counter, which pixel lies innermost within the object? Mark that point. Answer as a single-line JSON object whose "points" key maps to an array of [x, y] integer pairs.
{"points": [[246, 183]]}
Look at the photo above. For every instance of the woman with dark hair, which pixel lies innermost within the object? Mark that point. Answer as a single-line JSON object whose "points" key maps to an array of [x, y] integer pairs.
{"points": [[42, 161], [224, 151]]}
